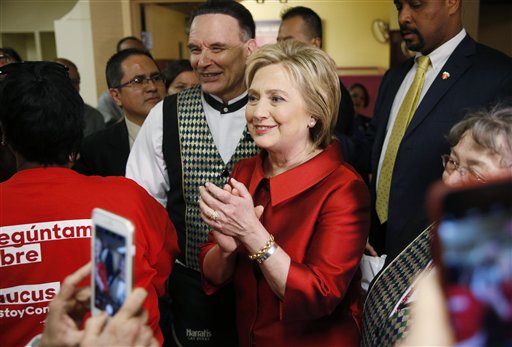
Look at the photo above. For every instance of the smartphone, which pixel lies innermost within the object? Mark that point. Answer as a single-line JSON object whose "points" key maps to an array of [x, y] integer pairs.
{"points": [[473, 249], [112, 259]]}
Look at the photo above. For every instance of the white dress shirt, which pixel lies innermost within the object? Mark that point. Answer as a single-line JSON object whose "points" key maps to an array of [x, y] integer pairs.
{"points": [[438, 59], [146, 164], [133, 131]]}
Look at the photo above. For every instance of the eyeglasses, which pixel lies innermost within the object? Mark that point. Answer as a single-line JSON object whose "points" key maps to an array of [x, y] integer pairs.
{"points": [[450, 165], [4, 58], [140, 81]]}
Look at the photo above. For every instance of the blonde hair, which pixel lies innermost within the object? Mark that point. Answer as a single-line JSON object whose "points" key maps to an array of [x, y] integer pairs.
{"points": [[314, 72]]}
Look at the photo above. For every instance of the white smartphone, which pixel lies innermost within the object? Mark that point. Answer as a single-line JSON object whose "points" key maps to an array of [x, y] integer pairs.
{"points": [[112, 259]]}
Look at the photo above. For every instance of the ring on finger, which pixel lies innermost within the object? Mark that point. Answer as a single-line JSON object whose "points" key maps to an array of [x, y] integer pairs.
{"points": [[214, 215]]}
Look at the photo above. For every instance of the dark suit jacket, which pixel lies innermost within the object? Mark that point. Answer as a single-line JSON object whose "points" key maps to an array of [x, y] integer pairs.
{"points": [[345, 113], [479, 76], [105, 153]]}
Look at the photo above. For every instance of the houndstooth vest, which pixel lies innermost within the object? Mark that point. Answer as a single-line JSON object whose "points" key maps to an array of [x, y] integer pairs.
{"points": [[192, 159], [381, 326]]}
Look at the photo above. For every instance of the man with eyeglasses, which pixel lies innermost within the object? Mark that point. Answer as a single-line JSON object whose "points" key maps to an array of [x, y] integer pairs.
{"points": [[136, 85]]}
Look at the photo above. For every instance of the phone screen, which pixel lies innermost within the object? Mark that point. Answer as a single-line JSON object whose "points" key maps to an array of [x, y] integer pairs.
{"points": [[110, 278], [475, 235]]}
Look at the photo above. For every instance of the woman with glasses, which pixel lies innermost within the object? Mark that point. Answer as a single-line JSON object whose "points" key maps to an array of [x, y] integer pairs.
{"points": [[481, 149]]}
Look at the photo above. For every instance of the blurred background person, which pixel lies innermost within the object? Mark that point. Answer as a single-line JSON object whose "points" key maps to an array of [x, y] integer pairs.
{"points": [[481, 149], [361, 100], [92, 117], [303, 24], [7, 160], [290, 228], [179, 75], [8, 55], [136, 85], [111, 111]]}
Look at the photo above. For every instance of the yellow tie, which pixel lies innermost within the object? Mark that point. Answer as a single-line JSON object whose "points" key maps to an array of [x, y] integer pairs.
{"points": [[402, 121]]}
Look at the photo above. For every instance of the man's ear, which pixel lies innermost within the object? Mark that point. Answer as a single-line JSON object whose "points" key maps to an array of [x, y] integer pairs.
{"points": [[453, 6], [252, 46], [115, 94], [317, 42]]}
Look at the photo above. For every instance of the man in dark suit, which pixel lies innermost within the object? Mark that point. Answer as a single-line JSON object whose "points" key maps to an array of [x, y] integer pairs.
{"points": [[303, 24], [461, 74], [136, 85]]}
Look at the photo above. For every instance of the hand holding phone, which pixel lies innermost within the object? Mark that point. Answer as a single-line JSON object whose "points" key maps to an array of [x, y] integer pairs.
{"points": [[473, 250], [112, 258]]}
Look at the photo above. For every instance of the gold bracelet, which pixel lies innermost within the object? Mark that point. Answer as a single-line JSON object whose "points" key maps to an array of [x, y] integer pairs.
{"points": [[267, 254], [263, 250]]}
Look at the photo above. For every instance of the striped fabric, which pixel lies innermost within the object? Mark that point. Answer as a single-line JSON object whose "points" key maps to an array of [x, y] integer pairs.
{"points": [[381, 326]]}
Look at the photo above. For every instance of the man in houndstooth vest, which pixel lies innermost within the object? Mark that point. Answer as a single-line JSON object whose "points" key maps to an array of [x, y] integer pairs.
{"points": [[191, 138]]}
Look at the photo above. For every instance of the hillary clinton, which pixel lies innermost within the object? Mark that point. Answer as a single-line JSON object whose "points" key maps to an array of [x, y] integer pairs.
{"points": [[290, 226]]}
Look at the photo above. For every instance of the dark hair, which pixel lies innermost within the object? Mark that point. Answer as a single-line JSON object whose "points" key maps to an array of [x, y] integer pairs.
{"points": [[174, 68], [232, 9], [310, 18], [65, 62], [41, 113], [127, 38], [10, 52], [114, 73], [365, 92]]}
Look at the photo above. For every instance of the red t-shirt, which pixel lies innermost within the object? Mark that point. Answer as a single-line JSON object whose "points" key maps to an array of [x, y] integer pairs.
{"points": [[45, 230]]}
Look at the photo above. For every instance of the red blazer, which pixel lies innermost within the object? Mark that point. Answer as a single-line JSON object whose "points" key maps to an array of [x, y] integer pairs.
{"points": [[319, 214]]}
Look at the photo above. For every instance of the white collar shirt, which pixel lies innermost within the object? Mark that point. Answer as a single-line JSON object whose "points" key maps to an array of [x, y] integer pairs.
{"points": [[146, 164], [133, 131]]}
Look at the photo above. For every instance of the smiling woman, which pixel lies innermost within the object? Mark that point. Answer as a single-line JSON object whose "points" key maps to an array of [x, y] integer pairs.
{"points": [[286, 211]]}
